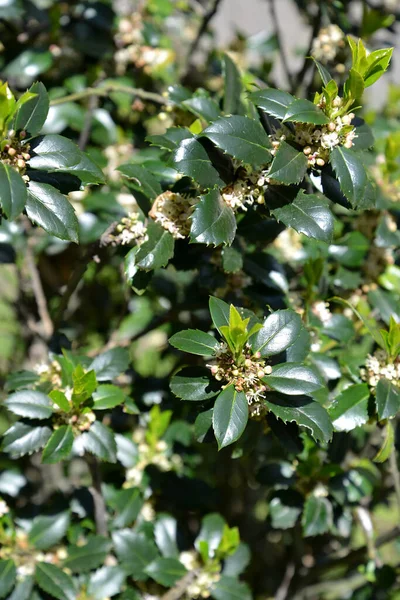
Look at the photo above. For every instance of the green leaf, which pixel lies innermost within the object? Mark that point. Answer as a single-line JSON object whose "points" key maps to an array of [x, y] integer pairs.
{"points": [[190, 159], [61, 400], [107, 582], [142, 180], [317, 516], [279, 331], [364, 137], [127, 504], [166, 571], [194, 342], [354, 85], [230, 588], [232, 104], [378, 63], [202, 106], [388, 445], [284, 509], [304, 411], [135, 552], [59, 445], [308, 214], [323, 72], [13, 192], [48, 531], [232, 260], [21, 439], [54, 153], [211, 532], [289, 165], [30, 404], [304, 111], [31, 116], [110, 364], [54, 581], [165, 534], [100, 441], [230, 416], [156, 252], [22, 591], [242, 138], [213, 221], [84, 384], [352, 177], [236, 563], [274, 102], [48, 208], [171, 139], [387, 399], [8, 574], [195, 384], [350, 408], [293, 379], [91, 555], [107, 396]]}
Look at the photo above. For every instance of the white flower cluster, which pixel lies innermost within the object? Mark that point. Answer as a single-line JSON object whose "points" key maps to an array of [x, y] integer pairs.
{"points": [[246, 377], [201, 586], [49, 372], [159, 455], [318, 140], [377, 367], [130, 230], [173, 212], [329, 45], [16, 153], [245, 191], [321, 310]]}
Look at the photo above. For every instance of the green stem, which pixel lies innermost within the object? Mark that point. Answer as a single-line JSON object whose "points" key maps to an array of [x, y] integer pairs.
{"points": [[106, 89], [396, 476]]}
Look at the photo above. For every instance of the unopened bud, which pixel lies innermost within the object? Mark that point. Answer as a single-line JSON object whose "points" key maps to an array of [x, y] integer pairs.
{"points": [[12, 152], [307, 150], [268, 370], [332, 126], [348, 144], [214, 369], [346, 119], [260, 373], [26, 156], [320, 162], [247, 362], [235, 372], [22, 134], [21, 163]]}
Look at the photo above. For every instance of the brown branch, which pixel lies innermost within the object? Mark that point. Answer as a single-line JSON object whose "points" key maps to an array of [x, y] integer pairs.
{"points": [[41, 301], [181, 586], [283, 590], [207, 17], [282, 52], [308, 63]]}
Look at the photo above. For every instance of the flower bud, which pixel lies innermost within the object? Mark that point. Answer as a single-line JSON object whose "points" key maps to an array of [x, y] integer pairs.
{"points": [[320, 162], [332, 126]]}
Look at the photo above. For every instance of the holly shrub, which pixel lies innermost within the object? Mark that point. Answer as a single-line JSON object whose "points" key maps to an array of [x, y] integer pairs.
{"points": [[200, 303]]}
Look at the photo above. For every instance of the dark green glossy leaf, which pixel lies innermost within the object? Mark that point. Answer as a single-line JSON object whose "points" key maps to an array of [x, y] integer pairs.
{"points": [[100, 441], [308, 214], [203, 107], [107, 582], [387, 399], [142, 180], [303, 411], [195, 384], [32, 114], [213, 221], [22, 591], [317, 516], [54, 581], [166, 571], [289, 165], [242, 138], [107, 396], [232, 260], [110, 364], [91, 555], [211, 532], [190, 158], [23, 439], [48, 531], [165, 534], [194, 342], [230, 588], [157, 251], [274, 102], [127, 505], [364, 137], [236, 563], [8, 574], [171, 139], [30, 404], [233, 87], [230, 416], [203, 424], [48, 208], [304, 111], [59, 445], [350, 408], [279, 331], [293, 379], [353, 178], [13, 192], [135, 552]]}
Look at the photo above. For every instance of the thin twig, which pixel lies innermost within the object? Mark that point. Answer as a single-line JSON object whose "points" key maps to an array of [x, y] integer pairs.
{"points": [[46, 322], [307, 64], [283, 589], [87, 125], [282, 51], [207, 17], [181, 586], [106, 90], [396, 476], [100, 512]]}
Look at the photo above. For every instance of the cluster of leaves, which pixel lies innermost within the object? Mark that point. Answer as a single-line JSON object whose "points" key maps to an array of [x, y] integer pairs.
{"points": [[272, 311]]}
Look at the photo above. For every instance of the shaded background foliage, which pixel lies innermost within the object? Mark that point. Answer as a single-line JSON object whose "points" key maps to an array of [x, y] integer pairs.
{"points": [[140, 478]]}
